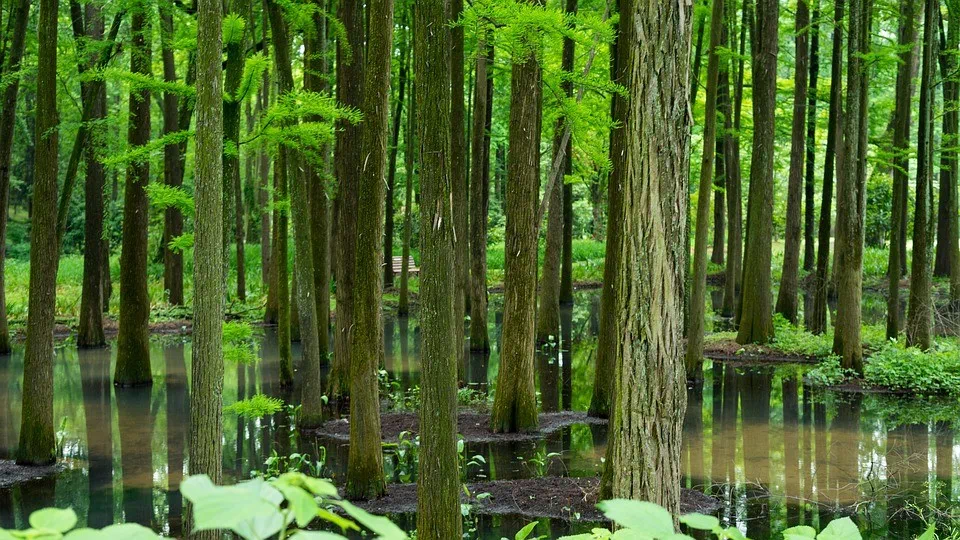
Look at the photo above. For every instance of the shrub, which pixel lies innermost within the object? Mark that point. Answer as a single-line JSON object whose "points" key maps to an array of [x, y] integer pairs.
{"points": [[936, 371]]}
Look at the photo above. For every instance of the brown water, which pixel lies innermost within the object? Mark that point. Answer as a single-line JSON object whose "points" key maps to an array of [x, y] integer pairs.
{"points": [[775, 452]]}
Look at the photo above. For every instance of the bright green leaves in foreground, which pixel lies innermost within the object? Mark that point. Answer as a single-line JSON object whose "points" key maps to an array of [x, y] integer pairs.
{"points": [[54, 523], [258, 508]]}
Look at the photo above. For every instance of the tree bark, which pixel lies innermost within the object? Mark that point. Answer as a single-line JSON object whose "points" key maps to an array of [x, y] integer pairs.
{"points": [[37, 445], [515, 402], [733, 270], [458, 173], [438, 485], [133, 337], [817, 321], [947, 241], [643, 454], [394, 149], [920, 312], [719, 206], [756, 321], [480, 194], [566, 265], [790, 277], [809, 219], [403, 308], [172, 165]]}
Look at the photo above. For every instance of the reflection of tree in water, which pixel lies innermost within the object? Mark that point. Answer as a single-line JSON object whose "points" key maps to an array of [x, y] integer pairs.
{"points": [[791, 445], [755, 414], [178, 419], [136, 421], [844, 452], [7, 438], [693, 438], [97, 401], [908, 448]]}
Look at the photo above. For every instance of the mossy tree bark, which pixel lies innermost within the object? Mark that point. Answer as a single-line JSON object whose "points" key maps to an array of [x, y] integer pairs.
{"points": [[206, 384], [90, 331], [920, 313], [950, 157], [644, 451], [438, 486], [695, 319], [458, 173], [172, 165], [608, 334], [790, 277], [755, 317], [566, 264], [515, 402], [365, 468], [347, 159], [816, 322], [901, 158], [37, 445], [133, 337], [719, 206], [480, 194], [851, 196], [18, 17], [809, 218]]}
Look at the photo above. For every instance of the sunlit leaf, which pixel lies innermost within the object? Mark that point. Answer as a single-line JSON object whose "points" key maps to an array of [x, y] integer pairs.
{"points": [[54, 519], [639, 516]]}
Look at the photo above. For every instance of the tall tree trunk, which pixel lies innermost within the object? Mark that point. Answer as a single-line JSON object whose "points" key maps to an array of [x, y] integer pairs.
{"points": [[18, 19], [231, 151], [206, 383], [920, 313], [817, 321], [947, 241], [37, 444], [732, 271], [901, 159], [438, 486], [90, 331], [263, 198], [458, 174], [790, 277], [566, 265], [133, 338], [480, 195], [950, 154], [719, 206], [365, 470], [850, 197], [172, 173], [696, 306], [608, 336], [403, 308], [394, 149], [347, 159], [515, 403], [756, 321], [651, 391], [809, 217]]}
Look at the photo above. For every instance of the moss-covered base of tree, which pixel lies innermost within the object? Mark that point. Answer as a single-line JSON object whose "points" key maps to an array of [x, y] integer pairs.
{"points": [[12, 474]]}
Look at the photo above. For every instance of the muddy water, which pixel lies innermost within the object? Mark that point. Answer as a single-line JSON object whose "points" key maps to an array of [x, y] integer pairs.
{"points": [[775, 452]]}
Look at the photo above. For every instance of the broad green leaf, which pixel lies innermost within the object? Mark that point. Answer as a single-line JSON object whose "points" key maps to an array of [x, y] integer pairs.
{"points": [[316, 535], [122, 531], [523, 533], [337, 520], [639, 516], [840, 529], [250, 509], [677, 536], [733, 533], [4, 535], [585, 536], [929, 534], [384, 528], [799, 533], [701, 522], [54, 519], [303, 504]]}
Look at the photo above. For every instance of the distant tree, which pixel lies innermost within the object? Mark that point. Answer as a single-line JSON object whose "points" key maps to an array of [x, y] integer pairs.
{"points": [[458, 174], [401, 87], [809, 219], [480, 192], [731, 127]]}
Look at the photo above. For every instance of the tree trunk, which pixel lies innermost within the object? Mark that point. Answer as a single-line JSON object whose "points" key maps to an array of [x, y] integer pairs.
{"points": [[263, 196], [850, 196], [347, 157], [695, 320], [515, 403], [90, 331], [651, 393], [403, 309], [438, 484], [37, 445], [133, 337], [756, 321], [719, 206], [901, 159], [817, 321], [920, 314], [480, 195], [365, 470], [947, 241], [392, 168], [733, 270], [18, 18], [950, 155], [172, 165], [809, 182], [566, 265], [458, 174], [206, 383], [790, 277], [232, 200]]}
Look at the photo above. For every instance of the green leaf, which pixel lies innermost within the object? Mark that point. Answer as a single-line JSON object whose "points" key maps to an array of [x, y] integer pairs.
{"points": [[384, 528], [122, 531], [4, 535], [250, 509], [523, 533], [840, 529], [639, 516], [54, 519], [315, 535], [733, 533], [799, 533], [303, 504], [929, 534], [337, 520], [701, 522]]}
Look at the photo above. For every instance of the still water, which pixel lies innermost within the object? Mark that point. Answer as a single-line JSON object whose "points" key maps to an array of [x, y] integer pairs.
{"points": [[774, 451]]}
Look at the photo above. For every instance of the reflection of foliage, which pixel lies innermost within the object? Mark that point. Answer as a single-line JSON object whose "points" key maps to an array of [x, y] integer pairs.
{"points": [[239, 347]]}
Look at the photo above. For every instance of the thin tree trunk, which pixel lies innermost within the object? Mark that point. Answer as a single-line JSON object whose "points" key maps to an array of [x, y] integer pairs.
{"points": [[172, 173], [951, 130], [696, 306], [901, 159], [133, 338], [403, 309], [438, 485], [651, 392], [37, 443], [263, 196], [790, 277], [719, 206], [566, 265], [392, 168], [480, 196], [458, 174], [809, 218], [920, 313], [515, 403], [817, 321], [947, 241], [756, 321], [232, 200], [733, 271]]}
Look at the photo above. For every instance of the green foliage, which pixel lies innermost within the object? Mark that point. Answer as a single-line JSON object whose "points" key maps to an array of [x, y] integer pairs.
{"points": [[163, 196], [253, 70], [146, 152], [233, 27], [261, 508], [829, 372], [239, 347], [908, 369], [793, 339], [257, 406], [181, 243], [56, 523]]}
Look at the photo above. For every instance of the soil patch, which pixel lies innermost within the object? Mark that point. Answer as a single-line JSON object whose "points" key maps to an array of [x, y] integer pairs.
{"points": [[550, 497], [473, 426], [12, 474], [728, 350]]}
